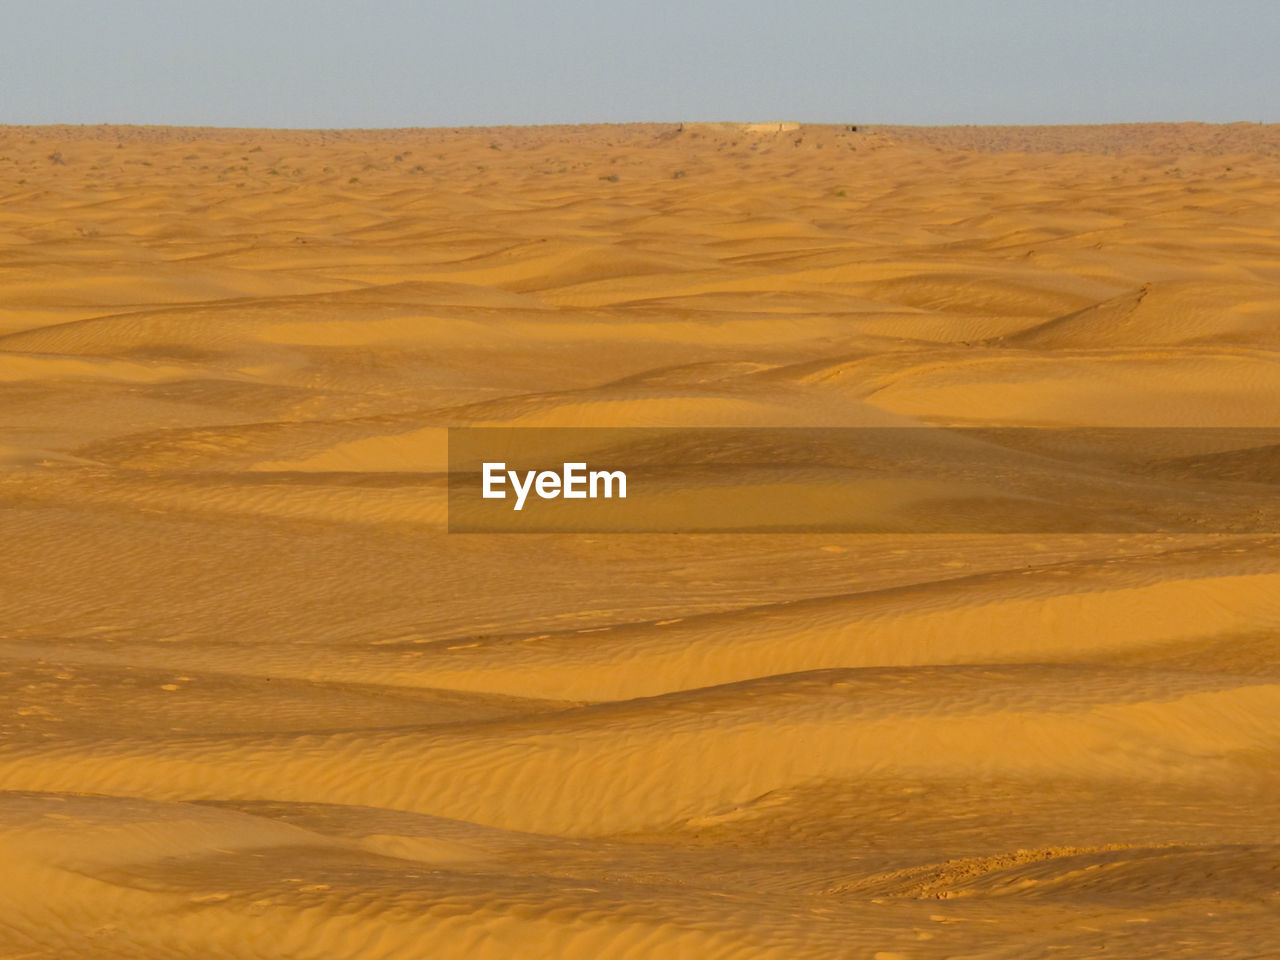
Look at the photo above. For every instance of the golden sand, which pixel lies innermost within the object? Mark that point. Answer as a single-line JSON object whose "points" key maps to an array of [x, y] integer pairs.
{"points": [[258, 703]]}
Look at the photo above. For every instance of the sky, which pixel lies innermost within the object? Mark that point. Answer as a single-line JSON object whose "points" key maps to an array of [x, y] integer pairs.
{"points": [[403, 63]]}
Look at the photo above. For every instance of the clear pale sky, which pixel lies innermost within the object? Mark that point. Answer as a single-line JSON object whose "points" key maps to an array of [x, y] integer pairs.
{"points": [[394, 63]]}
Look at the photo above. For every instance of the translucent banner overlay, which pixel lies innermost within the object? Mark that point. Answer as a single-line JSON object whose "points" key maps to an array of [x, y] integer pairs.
{"points": [[864, 480]]}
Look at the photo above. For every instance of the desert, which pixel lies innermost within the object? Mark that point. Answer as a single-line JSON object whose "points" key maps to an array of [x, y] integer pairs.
{"points": [[260, 701]]}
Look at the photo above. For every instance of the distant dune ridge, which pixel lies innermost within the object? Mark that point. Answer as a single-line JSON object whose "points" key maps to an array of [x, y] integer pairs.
{"points": [[261, 704]]}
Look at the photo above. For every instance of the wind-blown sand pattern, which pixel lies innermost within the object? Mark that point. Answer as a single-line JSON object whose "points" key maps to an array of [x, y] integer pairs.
{"points": [[259, 704]]}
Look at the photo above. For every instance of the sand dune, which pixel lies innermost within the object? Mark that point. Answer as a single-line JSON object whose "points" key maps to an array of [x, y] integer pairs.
{"points": [[259, 703]]}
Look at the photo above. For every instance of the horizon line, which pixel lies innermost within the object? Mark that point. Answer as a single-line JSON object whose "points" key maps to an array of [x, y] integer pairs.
{"points": [[634, 123]]}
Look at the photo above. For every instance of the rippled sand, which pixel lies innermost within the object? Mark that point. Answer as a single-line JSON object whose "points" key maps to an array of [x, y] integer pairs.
{"points": [[257, 703]]}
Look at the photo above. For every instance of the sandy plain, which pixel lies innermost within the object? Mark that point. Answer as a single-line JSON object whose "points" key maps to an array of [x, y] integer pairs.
{"points": [[257, 703]]}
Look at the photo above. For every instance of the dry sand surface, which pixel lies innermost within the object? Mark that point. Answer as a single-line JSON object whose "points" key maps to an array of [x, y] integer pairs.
{"points": [[258, 704]]}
